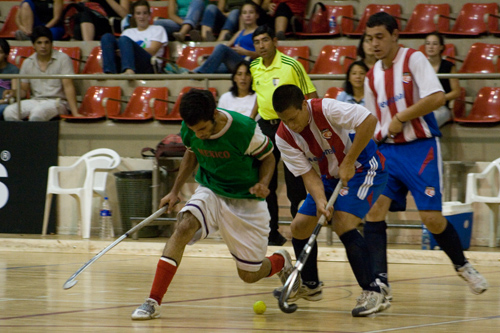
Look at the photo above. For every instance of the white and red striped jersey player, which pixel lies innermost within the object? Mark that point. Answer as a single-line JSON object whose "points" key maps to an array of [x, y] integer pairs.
{"points": [[410, 79], [326, 140]]}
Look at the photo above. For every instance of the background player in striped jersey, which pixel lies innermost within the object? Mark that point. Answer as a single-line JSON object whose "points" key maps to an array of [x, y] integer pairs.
{"points": [[402, 90], [236, 165], [321, 130]]}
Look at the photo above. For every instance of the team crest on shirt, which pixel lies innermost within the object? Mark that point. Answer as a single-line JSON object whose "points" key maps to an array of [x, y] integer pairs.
{"points": [[406, 77], [430, 191], [344, 191], [326, 133], [276, 81]]}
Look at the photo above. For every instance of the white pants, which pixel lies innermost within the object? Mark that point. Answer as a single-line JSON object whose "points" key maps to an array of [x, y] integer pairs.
{"points": [[36, 110], [242, 223]]}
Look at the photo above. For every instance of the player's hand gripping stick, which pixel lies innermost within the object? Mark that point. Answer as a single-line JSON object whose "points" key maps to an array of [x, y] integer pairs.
{"points": [[299, 264]]}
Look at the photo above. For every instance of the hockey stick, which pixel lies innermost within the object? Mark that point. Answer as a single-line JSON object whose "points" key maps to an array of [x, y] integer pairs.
{"points": [[71, 281], [299, 264]]}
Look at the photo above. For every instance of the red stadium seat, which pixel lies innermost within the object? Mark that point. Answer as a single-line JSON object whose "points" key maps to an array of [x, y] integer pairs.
{"points": [[192, 57], [471, 20], [481, 58], [74, 53], [299, 53], [334, 59], [449, 51], [459, 104], [9, 27], [394, 10], [92, 64], [174, 114], [17, 54], [423, 19], [158, 12], [138, 108], [333, 92], [332, 11], [91, 106], [486, 108]]}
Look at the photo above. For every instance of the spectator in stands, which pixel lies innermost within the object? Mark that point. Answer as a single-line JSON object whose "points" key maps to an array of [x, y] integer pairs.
{"points": [[48, 97], [183, 15], [92, 19], [434, 47], [241, 97], [354, 86], [365, 52], [6, 85], [283, 11], [34, 13], [223, 18], [131, 53], [225, 58]]}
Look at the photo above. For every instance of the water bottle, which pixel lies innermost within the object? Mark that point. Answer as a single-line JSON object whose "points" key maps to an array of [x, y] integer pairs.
{"points": [[426, 238], [106, 220], [332, 23]]}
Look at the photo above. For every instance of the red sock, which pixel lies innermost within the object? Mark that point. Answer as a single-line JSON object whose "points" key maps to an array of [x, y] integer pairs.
{"points": [[277, 263], [165, 272]]}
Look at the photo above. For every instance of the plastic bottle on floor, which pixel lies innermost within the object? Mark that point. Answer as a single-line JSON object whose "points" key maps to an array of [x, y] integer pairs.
{"points": [[106, 221]]}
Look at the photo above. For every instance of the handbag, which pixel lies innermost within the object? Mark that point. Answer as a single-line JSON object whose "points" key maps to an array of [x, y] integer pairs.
{"points": [[318, 22], [169, 146]]}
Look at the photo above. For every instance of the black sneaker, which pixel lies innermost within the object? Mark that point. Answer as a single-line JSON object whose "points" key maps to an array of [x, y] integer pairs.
{"points": [[276, 240]]}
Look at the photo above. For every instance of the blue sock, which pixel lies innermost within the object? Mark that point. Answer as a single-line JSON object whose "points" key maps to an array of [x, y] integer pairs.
{"points": [[309, 273], [359, 258], [376, 239], [449, 242]]}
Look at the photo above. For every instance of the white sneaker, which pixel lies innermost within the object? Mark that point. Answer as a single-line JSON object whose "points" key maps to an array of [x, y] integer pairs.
{"points": [[309, 294], [386, 289], [285, 273], [370, 302], [149, 310], [477, 282]]}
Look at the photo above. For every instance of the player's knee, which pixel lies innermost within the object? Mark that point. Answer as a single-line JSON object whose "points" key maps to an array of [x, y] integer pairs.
{"points": [[187, 226], [435, 222], [248, 277]]}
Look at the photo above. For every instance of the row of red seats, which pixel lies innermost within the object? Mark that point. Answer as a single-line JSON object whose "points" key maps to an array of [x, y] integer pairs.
{"points": [[473, 19]]}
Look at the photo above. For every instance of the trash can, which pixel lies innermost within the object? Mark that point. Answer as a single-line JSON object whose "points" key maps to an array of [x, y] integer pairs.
{"points": [[460, 215], [134, 196]]}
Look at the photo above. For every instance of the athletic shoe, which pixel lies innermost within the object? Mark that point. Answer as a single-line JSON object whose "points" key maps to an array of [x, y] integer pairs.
{"points": [[149, 310], [386, 289], [195, 35], [309, 294], [179, 37], [370, 302], [286, 271], [477, 283], [210, 37]]}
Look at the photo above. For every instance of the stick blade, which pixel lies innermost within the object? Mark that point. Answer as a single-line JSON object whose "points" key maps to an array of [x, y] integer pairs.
{"points": [[69, 284]]}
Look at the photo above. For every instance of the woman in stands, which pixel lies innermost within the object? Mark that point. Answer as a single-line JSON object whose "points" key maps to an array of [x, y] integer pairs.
{"points": [[354, 92], [34, 13], [434, 47], [365, 52], [131, 53], [241, 97], [226, 56], [6, 85], [184, 15]]}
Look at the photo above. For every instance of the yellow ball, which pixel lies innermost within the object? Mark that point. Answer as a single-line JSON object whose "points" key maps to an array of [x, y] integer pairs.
{"points": [[259, 307]]}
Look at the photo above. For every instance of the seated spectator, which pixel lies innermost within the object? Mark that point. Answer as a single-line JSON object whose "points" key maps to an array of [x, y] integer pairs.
{"points": [[365, 52], [131, 53], [223, 18], [48, 97], [354, 91], [434, 47], [241, 97], [225, 58], [92, 20], [282, 11], [6, 85], [35, 13], [184, 15]]}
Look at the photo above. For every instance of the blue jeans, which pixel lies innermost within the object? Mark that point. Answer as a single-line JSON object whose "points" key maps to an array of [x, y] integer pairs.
{"points": [[57, 30], [216, 20], [192, 18], [223, 60], [132, 56], [2, 108]]}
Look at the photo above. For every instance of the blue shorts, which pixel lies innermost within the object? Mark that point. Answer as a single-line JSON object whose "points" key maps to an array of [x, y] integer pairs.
{"points": [[414, 167], [360, 193]]}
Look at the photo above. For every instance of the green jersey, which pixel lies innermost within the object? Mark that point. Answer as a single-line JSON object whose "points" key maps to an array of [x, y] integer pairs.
{"points": [[229, 160]]}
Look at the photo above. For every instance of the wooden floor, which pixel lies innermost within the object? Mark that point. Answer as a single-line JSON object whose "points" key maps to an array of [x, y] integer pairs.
{"points": [[207, 296]]}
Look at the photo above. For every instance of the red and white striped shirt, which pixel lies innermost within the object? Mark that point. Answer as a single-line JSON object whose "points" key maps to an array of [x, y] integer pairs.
{"points": [[326, 140], [393, 90]]}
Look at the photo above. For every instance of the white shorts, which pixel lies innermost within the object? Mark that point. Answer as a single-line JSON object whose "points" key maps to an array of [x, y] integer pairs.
{"points": [[242, 223]]}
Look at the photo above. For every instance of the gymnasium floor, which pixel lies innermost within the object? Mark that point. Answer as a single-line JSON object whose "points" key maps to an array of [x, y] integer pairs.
{"points": [[207, 296]]}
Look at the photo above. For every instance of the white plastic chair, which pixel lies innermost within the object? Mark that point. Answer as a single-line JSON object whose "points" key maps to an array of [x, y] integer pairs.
{"points": [[97, 164], [491, 175]]}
